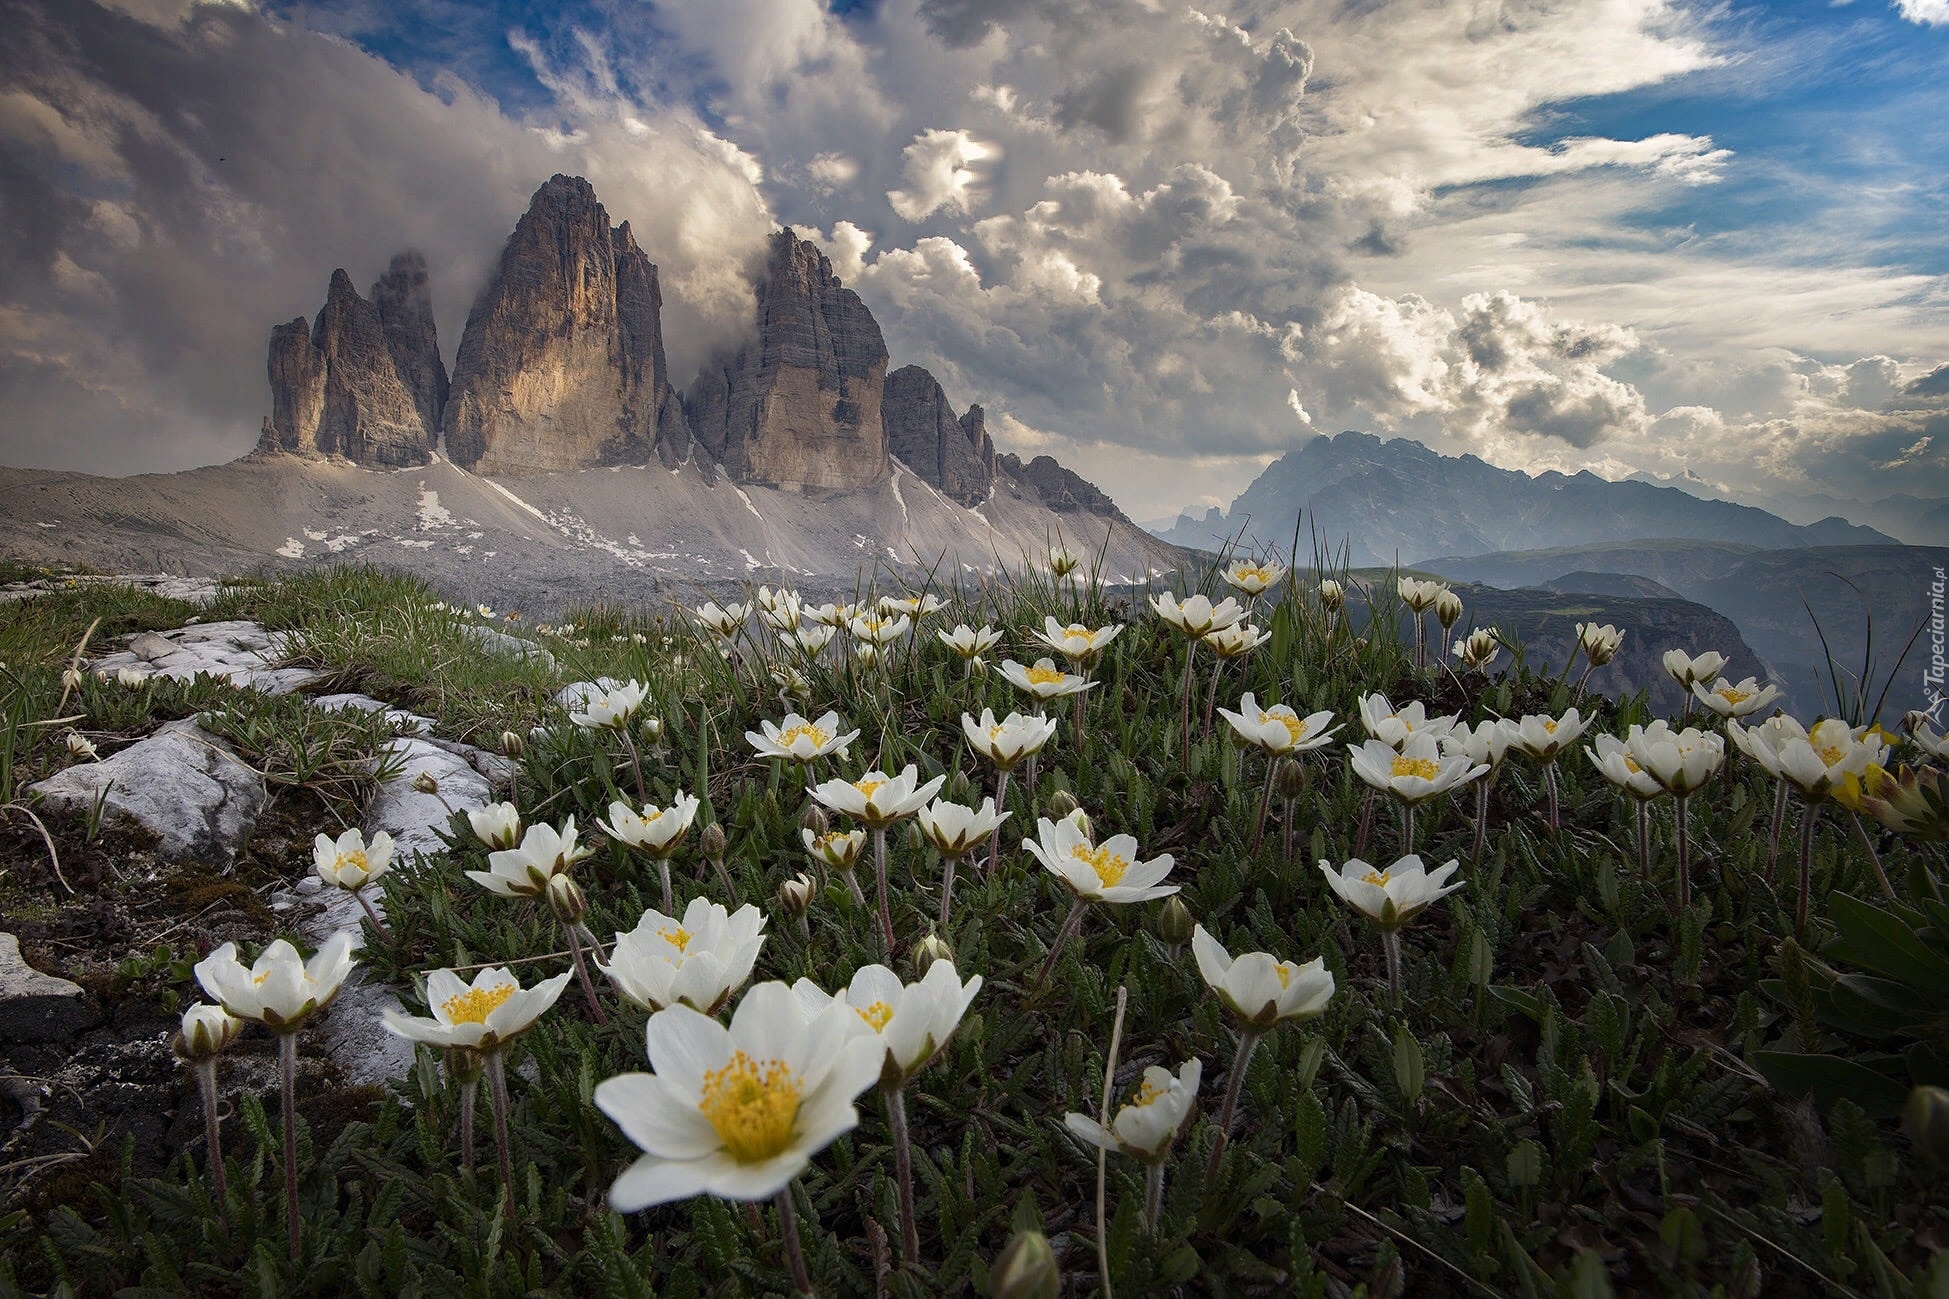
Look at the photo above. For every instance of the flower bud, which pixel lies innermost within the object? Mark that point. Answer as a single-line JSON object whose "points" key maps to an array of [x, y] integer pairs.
{"points": [[1448, 609], [795, 893], [1926, 1116], [1291, 779], [425, 783], [71, 678], [1332, 595], [1026, 1268], [206, 1030], [929, 950], [81, 746], [814, 819], [652, 728], [131, 678], [712, 842], [1061, 804], [978, 668], [1081, 820], [512, 745], [565, 899], [1174, 921]]}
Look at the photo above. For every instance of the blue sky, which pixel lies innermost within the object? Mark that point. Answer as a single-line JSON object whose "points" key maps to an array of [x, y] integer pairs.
{"points": [[1163, 240]]}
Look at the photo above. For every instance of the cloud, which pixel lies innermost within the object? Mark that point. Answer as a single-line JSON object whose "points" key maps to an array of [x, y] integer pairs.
{"points": [[1929, 13], [940, 174]]}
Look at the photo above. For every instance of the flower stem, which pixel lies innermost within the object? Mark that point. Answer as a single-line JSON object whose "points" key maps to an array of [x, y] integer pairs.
{"points": [[1391, 947], [582, 973], [1684, 854], [497, 1090], [1874, 857], [1407, 828], [1028, 786], [1366, 818], [206, 1083], [947, 888], [287, 1059], [995, 835], [1184, 705], [903, 1170], [1265, 805], [1809, 813], [1550, 790], [1102, 1155], [1779, 822], [1420, 639], [1076, 718], [1286, 829], [669, 894], [1211, 695], [467, 1090], [373, 915], [1481, 820], [1247, 1039], [852, 882], [1153, 1195], [788, 1230], [1070, 924], [1644, 839], [880, 883], [635, 764]]}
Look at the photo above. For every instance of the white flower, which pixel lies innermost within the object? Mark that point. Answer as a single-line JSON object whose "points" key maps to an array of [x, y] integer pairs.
{"points": [[878, 799], [1147, 1124], [1543, 737], [697, 962], [1448, 608], [349, 861], [1688, 670], [1599, 642], [915, 607], [1925, 737], [953, 828], [1332, 594], [482, 1016], [132, 678], [1418, 594], [207, 1030], [81, 746], [1109, 873], [1391, 897], [914, 1020], [1479, 649], [1681, 762], [1392, 726], [811, 640], [799, 740], [779, 612], [1045, 680], [1729, 700], [724, 621], [485, 611], [1197, 615], [880, 630], [1613, 760], [838, 849], [1007, 742], [737, 1112], [610, 710], [968, 643], [1253, 579], [769, 600], [1417, 772], [795, 893], [658, 831], [867, 656], [281, 988], [1235, 641], [1814, 762], [498, 825], [1062, 561], [524, 872], [1278, 730], [1484, 743], [1260, 988], [1076, 642]]}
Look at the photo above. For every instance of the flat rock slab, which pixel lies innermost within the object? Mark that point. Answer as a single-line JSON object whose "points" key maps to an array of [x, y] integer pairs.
{"points": [[413, 819], [242, 653], [500, 642], [183, 785], [194, 590], [354, 1032], [36, 1007], [407, 722]]}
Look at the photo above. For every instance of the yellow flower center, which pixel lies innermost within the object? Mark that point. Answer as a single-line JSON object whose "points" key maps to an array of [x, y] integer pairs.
{"points": [[828, 839], [474, 1005], [877, 1016], [1549, 726], [1295, 726], [1148, 1093], [1251, 575], [1285, 971], [1831, 755], [350, 860], [1426, 768], [752, 1106], [675, 935], [1045, 676], [868, 788], [792, 734], [1631, 766], [1108, 866], [1377, 878], [1734, 697]]}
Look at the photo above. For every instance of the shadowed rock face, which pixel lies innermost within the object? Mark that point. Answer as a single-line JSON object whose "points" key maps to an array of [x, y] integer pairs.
{"points": [[405, 303], [338, 391], [561, 365], [1062, 490], [800, 405], [954, 454]]}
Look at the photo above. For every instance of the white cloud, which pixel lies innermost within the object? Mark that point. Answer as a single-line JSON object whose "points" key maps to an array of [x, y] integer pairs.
{"points": [[1930, 13], [939, 168]]}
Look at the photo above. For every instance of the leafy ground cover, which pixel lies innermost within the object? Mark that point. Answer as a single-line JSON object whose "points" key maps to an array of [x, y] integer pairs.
{"points": [[1581, 1089]]}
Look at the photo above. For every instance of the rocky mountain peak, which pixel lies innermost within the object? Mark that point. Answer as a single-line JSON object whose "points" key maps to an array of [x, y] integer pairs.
{"points": [[800, 404], [561, 365], [953, 453], [404, 297]]}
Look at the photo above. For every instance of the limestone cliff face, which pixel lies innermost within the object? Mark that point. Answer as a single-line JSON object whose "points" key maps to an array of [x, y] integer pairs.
{"points": [[405, 302], [338, 391], [561, 365], [1062, 490], [801, 404], [952, 453]]}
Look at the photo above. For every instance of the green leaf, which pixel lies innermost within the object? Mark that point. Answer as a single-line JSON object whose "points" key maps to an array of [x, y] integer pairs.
{"points": [[1829, 1078]]}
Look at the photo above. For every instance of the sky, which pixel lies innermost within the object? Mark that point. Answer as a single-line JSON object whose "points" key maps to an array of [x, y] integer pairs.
{"points": [[1163, 242]]}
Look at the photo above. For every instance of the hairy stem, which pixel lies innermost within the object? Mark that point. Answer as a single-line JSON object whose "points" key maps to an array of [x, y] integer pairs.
{"points": [[1809, 813], [1153, 1195], [995, 835], [497, 1090], [903, 1170], [1247, 1039], [1265, 805], [1070, 924], [788, 1230], [206, 1083], [582, 973], [1684, 854], [1779, 822], [1391, 948], [880, 883], [372, 914], [287, 1059]]}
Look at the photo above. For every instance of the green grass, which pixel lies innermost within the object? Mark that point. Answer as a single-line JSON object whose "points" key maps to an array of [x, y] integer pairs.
{"points": [[1570, 1100]]}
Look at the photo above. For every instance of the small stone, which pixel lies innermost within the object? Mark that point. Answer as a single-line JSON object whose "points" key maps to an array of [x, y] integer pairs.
{"points": [[183, 785], [36, 1007]]}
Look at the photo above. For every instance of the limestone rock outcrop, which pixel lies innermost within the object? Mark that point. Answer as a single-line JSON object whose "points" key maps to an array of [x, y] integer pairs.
{"points": [[561, 365], [953, 453], [1062, 490], [404, 298], [800, 405], [337, 389]]}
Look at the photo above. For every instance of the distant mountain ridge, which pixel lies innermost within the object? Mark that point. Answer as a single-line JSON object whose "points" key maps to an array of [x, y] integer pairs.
{"points": [[1396, 500]]}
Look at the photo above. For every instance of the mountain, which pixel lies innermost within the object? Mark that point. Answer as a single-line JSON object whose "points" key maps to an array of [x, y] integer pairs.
{"points": [[1919, 521], [1851, 591], [1397, 501], [558, 463]]}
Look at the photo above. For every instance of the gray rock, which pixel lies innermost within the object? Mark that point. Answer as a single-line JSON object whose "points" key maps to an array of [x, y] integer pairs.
{"points": [[561, 366], [405, 304], [953, 454], [1063, 490], [801, 405], [192, 590], [242, 653], [413, 819], [36, 1007], [352, 1027], [182, 785], [407, 723], [499, 641]]}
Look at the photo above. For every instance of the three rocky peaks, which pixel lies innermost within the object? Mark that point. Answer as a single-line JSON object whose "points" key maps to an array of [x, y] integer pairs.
{"points": [[561, 367]]}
